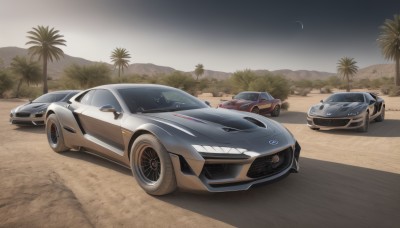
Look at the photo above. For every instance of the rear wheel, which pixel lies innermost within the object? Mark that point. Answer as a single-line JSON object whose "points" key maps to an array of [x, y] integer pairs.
{"points": [[276, 111], [381, 117], [365, 127], [54, 134], [152, 166]]}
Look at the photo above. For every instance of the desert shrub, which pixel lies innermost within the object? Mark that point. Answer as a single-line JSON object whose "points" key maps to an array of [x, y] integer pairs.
{"points": [[276, 85], [285, 106], [325, 89], [83, 77], [242, 79], [6, 82], [394, 91], [181, 81], [303, 91], [30, 92]]}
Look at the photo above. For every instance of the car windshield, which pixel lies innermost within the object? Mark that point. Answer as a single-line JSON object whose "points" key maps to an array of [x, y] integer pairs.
{"points": [[247, 96], [49, 98], [158, 99], [346, 97]]}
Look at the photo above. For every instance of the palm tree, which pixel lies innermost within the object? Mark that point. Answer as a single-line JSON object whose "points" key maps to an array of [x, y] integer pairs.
{"points": [[44, 43], [120, 58], [28, 71], [347, 68], [389, 41], [199, 71]]}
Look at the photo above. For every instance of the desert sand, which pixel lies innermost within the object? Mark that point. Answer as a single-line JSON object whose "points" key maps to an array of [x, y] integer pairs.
{"points": [[347, 179]]}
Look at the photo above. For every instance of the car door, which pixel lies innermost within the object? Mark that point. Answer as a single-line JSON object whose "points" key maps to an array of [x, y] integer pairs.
{"points": [[265, 103], [103, 127]]}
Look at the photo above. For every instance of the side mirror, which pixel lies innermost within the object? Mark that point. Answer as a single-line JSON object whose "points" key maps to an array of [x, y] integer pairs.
{"points": [[207, 103], [110, 108], [322, 101], [233, 97]]}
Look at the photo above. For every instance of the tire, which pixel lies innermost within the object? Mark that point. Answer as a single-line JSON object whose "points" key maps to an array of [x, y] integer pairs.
{"points": [[314, 128], [276, 111], [365, 127], [381, 117], [152, 166], [255, 110], [54, 134]]}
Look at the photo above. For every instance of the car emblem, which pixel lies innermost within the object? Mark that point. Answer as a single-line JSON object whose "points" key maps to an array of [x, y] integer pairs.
{"points": [[328, 114], [273, 142]]}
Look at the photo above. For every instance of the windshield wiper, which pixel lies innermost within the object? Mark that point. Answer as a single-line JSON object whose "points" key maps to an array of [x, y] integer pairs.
{"points": [[160, 110]]}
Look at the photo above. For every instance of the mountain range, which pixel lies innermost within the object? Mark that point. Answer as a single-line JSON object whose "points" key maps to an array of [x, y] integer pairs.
{"points": [[55, 69]]}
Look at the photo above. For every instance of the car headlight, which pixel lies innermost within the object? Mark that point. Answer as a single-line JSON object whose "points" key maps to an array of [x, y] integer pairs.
{"points": [[218, 149], [41, 111], [311, 111]]}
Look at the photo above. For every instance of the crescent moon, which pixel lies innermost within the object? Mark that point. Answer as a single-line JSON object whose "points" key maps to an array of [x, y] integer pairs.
{"points": [[301, 23]]}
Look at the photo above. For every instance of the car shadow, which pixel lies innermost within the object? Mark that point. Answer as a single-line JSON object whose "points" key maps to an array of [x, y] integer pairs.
{"points": [[323, 193], [387, 128], [31, 129], [83, 156], [290, 117]]}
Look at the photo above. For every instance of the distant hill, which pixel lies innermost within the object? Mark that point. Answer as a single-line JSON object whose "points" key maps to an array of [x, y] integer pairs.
{"points": [[376, 71], [55, 69]]}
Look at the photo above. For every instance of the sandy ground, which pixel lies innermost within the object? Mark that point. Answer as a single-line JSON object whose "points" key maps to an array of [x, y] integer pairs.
{"points": [[347, 179]]}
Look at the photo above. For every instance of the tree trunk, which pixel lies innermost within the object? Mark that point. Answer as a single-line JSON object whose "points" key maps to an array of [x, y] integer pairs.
{"points": [[119, 74], [18, 87], [45, 89], [397, 76], [348, 83]]}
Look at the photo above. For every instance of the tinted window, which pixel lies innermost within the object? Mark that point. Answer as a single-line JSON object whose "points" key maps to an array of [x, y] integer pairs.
{"points": [[49, 98], [86, 98], [265, 96], [247, 96], [346, 97], [104, 97], [69, 96], [158, 99]]}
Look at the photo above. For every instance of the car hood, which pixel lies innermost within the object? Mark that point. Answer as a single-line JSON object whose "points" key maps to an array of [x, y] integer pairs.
{"points": [[336, 109], [236, 102], [32, 107], [231, 128]]}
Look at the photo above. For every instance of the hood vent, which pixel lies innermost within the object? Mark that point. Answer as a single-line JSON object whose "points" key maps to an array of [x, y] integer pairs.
{"points": [[256, 122], [229, 129]]}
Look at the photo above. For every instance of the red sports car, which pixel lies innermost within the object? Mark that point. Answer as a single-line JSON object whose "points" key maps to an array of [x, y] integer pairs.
{"points": [[256, 102]]}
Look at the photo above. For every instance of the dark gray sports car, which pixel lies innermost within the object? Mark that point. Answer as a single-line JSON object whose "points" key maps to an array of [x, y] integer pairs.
{"points": [[32, 113], [171, 139], [347, 111]]}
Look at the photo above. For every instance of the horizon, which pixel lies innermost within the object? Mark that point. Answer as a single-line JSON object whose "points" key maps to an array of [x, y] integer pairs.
{"points": [[224, 36]]}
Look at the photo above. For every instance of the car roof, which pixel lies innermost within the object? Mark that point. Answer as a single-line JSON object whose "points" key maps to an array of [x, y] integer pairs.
{"points": [[126, 86]]}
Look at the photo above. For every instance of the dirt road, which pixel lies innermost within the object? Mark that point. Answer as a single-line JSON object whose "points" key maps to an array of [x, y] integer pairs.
{"points": [[347, 179]]}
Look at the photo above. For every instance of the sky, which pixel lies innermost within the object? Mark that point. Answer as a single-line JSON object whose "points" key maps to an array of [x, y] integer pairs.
{"points": [[223, 35]]}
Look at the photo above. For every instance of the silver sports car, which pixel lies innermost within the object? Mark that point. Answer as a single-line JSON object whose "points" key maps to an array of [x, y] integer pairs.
{"points": [[171, 139], [347, 111], [32, 113]]}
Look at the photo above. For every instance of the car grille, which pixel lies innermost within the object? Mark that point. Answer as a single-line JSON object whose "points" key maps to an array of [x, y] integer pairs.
{"points": [[331, 122], [264, 166], [22, 114]]}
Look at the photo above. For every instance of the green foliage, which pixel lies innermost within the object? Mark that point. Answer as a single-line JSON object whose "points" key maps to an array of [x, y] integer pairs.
{"points": [[389, 42], [276, 85], [326, 89], [120, 57], [347, 68], [241, 79], [6, 82], [82, 77], [26, 70], [304, 83], [29, 92], [199, 71], [181, 81], [44, 43]]}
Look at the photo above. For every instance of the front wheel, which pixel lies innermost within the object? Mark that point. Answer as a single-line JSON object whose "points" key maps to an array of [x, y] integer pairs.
{"points": [[381, 117], [365, 127], [54, 134], [255, 110], [276, 111], [152, 166]]}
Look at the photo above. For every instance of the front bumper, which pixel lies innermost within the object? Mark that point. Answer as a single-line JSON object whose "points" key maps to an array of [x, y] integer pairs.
{"points": [[35, 119], [350, 122], [224, 175]]}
